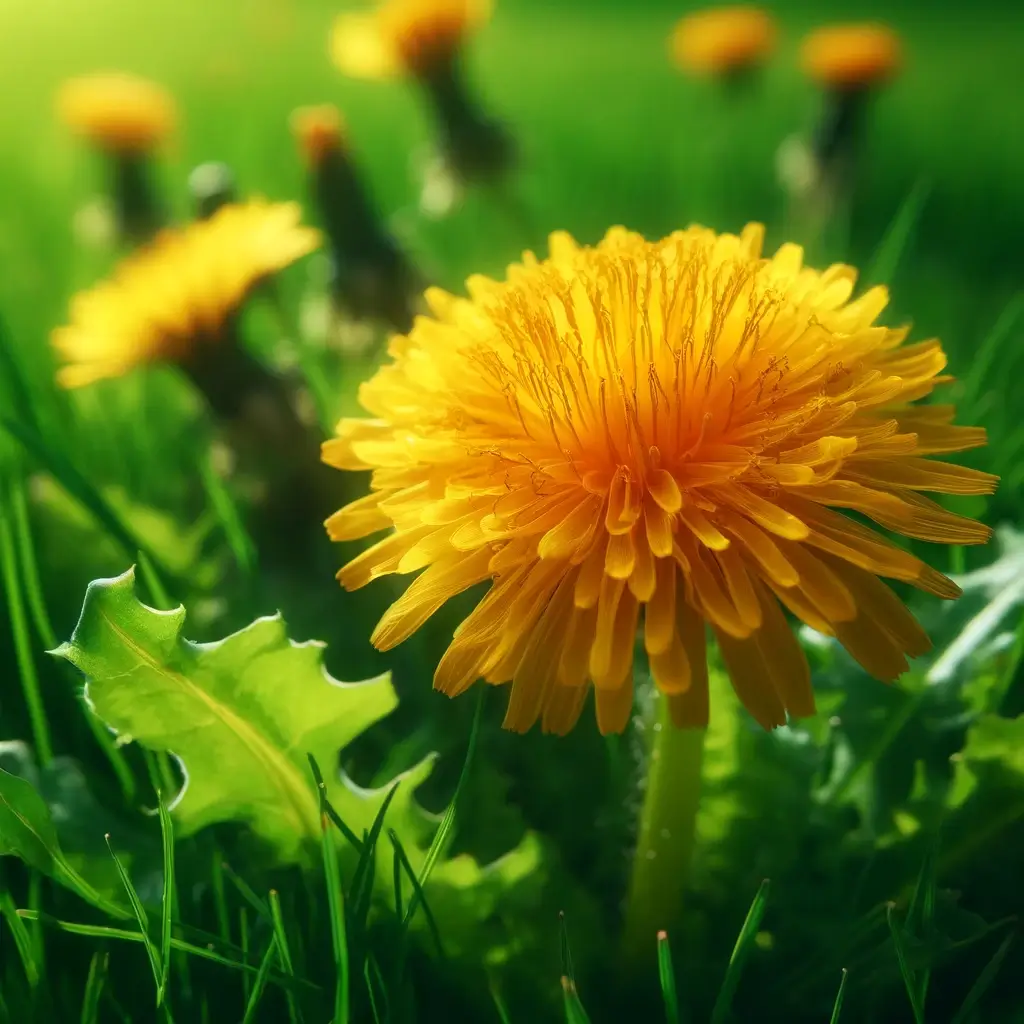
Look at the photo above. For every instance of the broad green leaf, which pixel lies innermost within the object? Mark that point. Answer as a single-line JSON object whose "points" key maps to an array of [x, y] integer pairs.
{"points": [[995, 746], [27, 831], [241, 714], [1000, 588], [81, 822]]}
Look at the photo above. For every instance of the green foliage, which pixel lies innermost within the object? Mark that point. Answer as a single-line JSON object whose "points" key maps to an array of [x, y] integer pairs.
{"points": [[240, 714], [841, 811], [27, 832]]}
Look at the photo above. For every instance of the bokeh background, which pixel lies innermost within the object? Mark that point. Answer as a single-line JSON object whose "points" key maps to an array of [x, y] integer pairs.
{"points": [[610, 132]]}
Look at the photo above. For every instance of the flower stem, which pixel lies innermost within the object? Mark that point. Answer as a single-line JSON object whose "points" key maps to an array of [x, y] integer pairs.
{"points": [[666, 834]]}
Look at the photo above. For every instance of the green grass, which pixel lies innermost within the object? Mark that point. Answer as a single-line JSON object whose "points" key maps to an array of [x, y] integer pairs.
{"points": [[890, 824]]}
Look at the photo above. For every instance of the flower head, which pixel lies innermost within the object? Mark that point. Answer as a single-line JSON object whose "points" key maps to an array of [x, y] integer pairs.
{"points": [[851, 56], [177, 292], [318, 130], [405, 36], [117, 111], [723, 39], [667, 426]]}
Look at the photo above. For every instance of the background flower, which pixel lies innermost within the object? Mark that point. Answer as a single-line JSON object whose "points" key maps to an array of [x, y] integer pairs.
{"points": [[175, 294]]}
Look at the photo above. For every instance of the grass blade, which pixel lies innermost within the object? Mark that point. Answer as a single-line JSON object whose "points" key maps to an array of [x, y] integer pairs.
{"points": [[840, 995], [574, 1011], [396, 882], [29, 565], [284, 953], [419, 900], [987, 976], [375, 981], [33, 588], [564, 950], [140, 915], [96, 931], [667, 977], [167, 903], [94, 983], [261, 981], [740, 953], [243, 934], [241, 544], [352, 838], [247, 892], [20, 634], [22, 940], [154, 584], [921, 913], [909, 981], [499, 1003], [362, 882], [899, 236], [336, 908], [13, 372], [987, 352], [220, 903], [441, 837]]}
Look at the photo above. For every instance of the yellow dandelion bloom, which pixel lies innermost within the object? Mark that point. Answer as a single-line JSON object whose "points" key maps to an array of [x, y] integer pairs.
{"points": [[177, 292], [404, 36], [117, 111], [723, 39], [661, 426], [318, 130], [851, 56]]}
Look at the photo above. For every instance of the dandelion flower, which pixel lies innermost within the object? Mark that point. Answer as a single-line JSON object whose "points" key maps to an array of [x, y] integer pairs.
{"points": [[125, 118], [372, 278], [851, 56], [320, 131], [174, 296], [423, 39], [116, 111], [667, 427], [723, 40], [405, 37], [850, 62]]}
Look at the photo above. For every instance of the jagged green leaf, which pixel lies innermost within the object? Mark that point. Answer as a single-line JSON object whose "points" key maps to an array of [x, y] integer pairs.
{"points": [[240, 714]]}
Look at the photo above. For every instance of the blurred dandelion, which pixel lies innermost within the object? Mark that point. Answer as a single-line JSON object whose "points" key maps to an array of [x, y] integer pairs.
{"points": [[177, 300], [849, 62], [174, 299], [125, 118], [424, 39], [372, 277], [724, 42], [666, 426]]}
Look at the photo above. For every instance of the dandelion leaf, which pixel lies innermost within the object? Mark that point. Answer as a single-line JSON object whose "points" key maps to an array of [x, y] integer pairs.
{"points": [[54, 806], [26, 829], [240, 714]]}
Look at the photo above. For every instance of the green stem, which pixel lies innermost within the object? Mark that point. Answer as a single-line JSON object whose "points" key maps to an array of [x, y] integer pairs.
{"points": [[20, 634], [666, 835]]}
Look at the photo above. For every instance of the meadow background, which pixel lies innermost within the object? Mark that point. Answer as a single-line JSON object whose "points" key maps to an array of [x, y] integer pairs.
{"points": [[842, 817]]}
